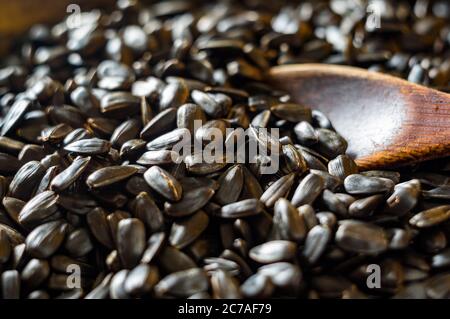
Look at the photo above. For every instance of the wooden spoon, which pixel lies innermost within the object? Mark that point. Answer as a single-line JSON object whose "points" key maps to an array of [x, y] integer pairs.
{"points": [[387, 121]]}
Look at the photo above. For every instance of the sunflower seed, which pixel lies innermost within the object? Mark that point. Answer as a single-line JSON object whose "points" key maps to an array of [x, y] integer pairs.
{"points": [[277, 190], [10, 284], [243, 208], [39, 208], [308, 190], [191, 201], [109, 175], [130, 241], [185, 231], [91, 146], [360, 184], [162, 182], [431, 217], [273, 251], [364, 238], [141, 280], [45, 239], [67, 177], [183, 283]]}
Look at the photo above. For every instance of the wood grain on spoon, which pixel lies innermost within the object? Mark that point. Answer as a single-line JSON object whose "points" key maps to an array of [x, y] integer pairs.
{"points": [[386, 120]]}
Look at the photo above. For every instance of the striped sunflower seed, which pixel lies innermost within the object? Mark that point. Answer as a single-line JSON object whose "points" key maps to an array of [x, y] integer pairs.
{"points": [[360, 184], [243, 208], [109, 175], [191, 201], [278, 189], [91, 146], [67, 177], [163, 183], [360, 237], [183, 284], [273, 251], [39, 208], [308, 190], [185, 231], [131, 241], [431, 217], [45, 239]]}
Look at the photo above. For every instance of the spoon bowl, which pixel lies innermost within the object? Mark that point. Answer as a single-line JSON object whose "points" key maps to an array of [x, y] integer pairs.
{"points": [[387, 121]]}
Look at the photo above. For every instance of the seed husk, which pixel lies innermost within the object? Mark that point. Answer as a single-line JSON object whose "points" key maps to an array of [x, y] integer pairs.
{"points": [[131, 241], [91, 146], [117, 285], [50, 174], [180, 137], [187, 114], [183, 283], [224, 286], [141, 279], [231, 183], [154, 245], [67, 177], [35, 272], [14, 236], [287, 223], [360, 237], [360, 184], [283, 275], [5, 247], [431, 217], [78, 243], [333, 203], [364, 207], [45, 239], [277, 190], [196, 165], [308, 190], [159, 124], [191, 201], [404, 198], [292, 112], [163, 183], [124, 132], [257, 286], [174, 95], [185, 231], [39, 208], [10, 280], [316, 242], [273, 251], [145, 209], [98, 225], [26, 179], [109, 175], [243, 208], [15, 115], [160, 157], [330, 144], [306, 134], [342, 166]]}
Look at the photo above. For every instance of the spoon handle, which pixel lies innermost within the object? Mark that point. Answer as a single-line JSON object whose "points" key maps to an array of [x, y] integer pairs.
{"points": [[386, 120]]}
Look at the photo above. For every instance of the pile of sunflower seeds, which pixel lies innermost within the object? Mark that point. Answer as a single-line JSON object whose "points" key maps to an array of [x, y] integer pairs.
{"points": [[92, 205]]}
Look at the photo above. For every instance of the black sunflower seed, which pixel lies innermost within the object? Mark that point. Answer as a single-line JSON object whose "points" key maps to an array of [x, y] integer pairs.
{"points": [[185, 231], [91, 146], [130, 241], [109, 175], [67, 177], [45, 239], [164, 183], [39, 208], [192, 200]]}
